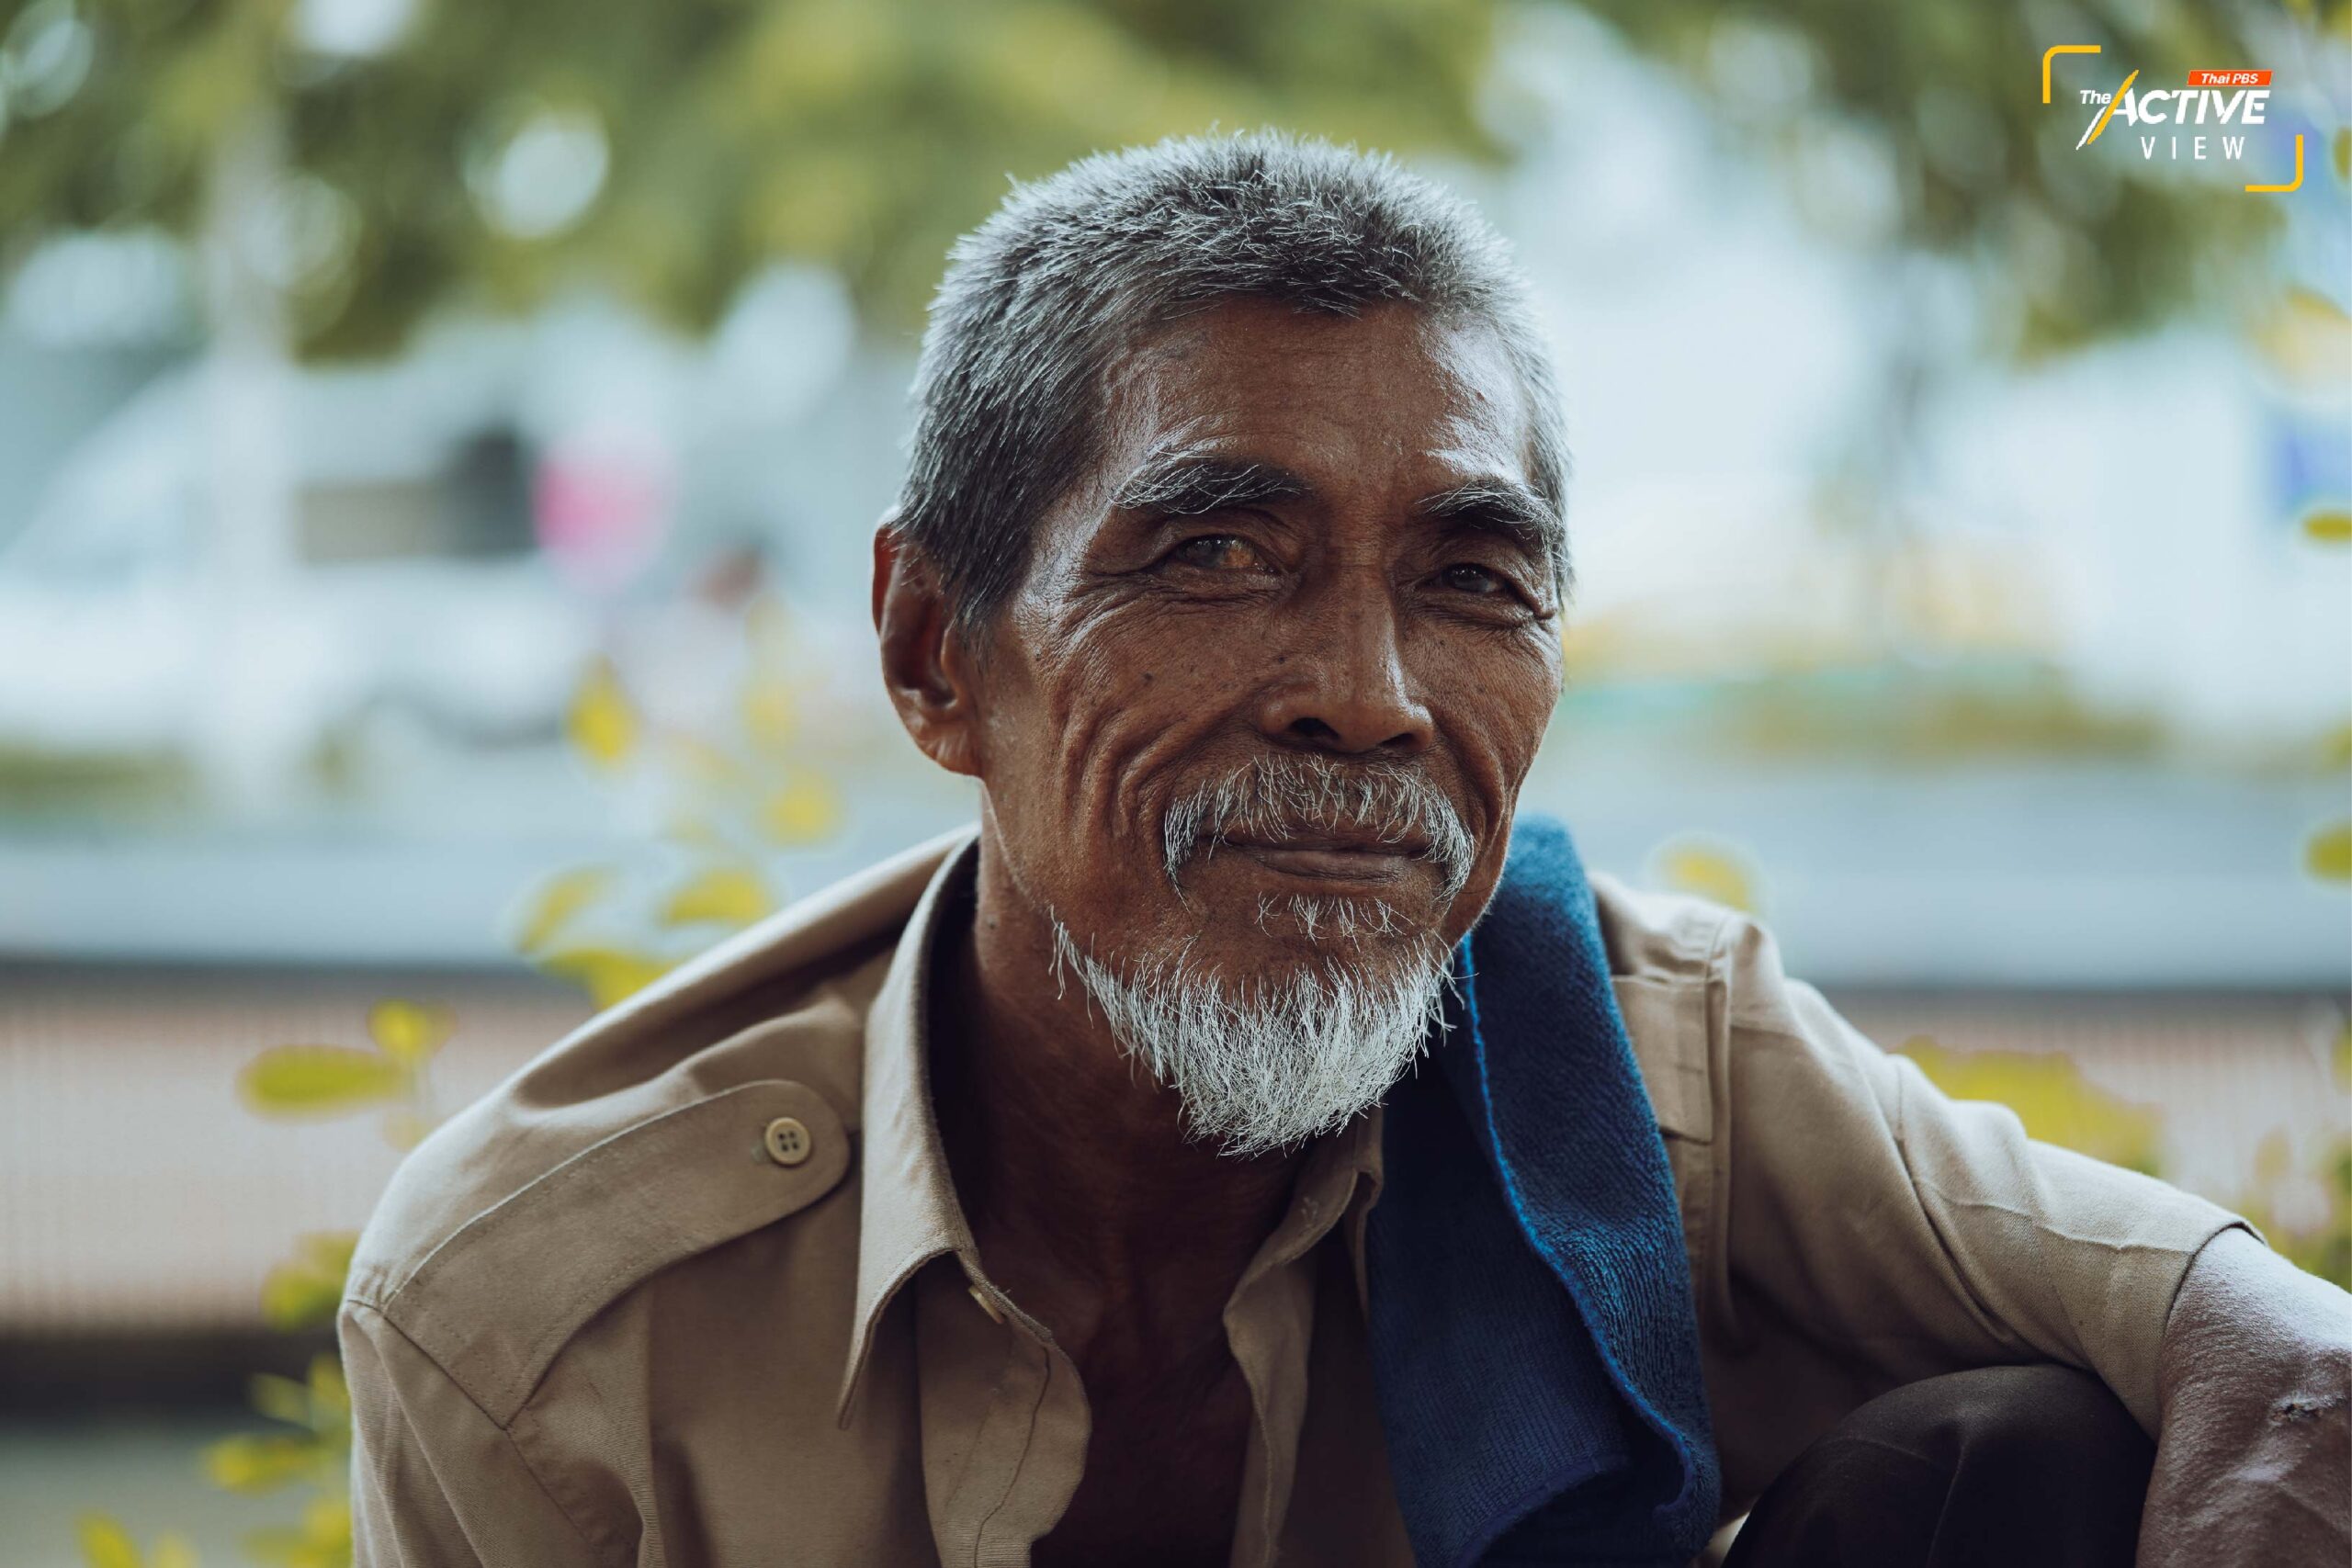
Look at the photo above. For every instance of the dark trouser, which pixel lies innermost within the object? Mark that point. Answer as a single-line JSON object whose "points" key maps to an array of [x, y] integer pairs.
{"points": [[2007, 1467]]}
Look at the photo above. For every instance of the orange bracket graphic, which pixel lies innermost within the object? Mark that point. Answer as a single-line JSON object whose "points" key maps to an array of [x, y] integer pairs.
{"points": [[2057, 49], [2297, 183]]}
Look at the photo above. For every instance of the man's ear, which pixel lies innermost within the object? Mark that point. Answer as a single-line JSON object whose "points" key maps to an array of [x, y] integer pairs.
{"points": [[924, 665]]}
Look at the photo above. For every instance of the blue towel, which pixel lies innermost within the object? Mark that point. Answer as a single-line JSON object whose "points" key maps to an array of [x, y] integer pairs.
{"points": [[1534, 1343]]}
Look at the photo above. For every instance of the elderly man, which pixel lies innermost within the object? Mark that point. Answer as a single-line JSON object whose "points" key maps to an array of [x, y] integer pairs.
{"points": [[1245, 1146]]}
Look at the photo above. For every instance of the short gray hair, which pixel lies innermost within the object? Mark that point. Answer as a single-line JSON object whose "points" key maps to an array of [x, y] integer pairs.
{"points": [[1039, 300]]}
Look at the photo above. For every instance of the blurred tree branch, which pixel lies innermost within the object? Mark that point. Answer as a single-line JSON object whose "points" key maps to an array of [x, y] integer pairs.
{"points": [[489, 154], [483, 155], [2066, 248]]}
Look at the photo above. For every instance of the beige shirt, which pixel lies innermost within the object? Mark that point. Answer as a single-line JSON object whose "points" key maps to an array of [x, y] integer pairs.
{"points": [[693, 1288]]}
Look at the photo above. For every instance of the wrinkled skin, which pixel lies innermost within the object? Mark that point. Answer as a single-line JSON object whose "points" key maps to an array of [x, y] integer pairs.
{"points": [[1142, 656]]}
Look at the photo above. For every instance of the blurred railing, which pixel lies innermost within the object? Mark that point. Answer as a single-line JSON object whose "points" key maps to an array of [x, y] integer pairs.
{"points": [[137, 1195]]}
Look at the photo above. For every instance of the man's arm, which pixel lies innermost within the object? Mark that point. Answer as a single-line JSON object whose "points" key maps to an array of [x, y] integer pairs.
{"points": [[1880, 1232], [2254, 1456]]}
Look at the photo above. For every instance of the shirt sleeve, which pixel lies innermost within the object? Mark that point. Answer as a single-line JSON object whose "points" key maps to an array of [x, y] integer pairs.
{"points": [[435, 1481], [1877, 1231]]}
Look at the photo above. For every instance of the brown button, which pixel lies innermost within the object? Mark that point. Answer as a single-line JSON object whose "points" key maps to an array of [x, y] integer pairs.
{"points": [[788, 1141]]}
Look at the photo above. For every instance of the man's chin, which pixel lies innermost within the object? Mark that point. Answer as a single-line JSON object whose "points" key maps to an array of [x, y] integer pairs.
{"points": [[1269, 1038], [1300, 915], [1320, 942], [1367, 930]]}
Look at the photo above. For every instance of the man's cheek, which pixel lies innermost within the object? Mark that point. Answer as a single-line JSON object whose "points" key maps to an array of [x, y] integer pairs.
{"points": [[1061, 801]]}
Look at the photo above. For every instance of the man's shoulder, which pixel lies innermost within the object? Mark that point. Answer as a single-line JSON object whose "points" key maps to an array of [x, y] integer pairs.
{"points": [[1661, 938], [1678, 940], [721, 1100], [1700, 983]]}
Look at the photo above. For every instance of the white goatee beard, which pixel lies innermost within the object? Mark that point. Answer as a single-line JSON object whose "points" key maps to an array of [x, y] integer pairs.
{"points": [[1266, 1066]]}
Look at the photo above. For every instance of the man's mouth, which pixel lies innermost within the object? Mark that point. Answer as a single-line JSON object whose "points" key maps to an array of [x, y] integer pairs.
{"points": [[1349, 830], [1366, 859]]}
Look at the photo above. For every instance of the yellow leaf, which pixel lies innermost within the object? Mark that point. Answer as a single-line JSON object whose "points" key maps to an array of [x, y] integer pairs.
{"points": [[2329, 525], [1707, 869], [768, 712], [2306, 335], [2344, 153], [2050, 1096], [2328, 853], [801, 812], [319, 1081], [607, 974], [329, 1396], [323, 1540], [327, 1521], [603, 724], [251, 1465], [553, 906], [173, 1552], [106, 1544], [409, 1032], [726, 895], [280, 1399], [304, 1291]]}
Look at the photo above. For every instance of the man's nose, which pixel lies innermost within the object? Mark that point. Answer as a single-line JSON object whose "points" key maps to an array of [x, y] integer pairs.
{"points": [[1344, 687]]}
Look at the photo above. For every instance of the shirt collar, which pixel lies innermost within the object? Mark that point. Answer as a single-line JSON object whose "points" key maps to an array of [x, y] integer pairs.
{"points": [[908, 1211], [907, 1214]]}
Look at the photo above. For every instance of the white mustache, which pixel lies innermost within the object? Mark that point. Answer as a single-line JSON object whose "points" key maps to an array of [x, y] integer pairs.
{"points": [[1276, 797]]}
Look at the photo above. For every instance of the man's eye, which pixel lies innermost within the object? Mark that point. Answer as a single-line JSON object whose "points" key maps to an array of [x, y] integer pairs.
{"points": [[1219, 552], [1472, 579]]}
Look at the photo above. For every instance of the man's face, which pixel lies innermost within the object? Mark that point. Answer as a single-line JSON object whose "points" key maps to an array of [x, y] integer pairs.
{"points": [[1267, 693]]}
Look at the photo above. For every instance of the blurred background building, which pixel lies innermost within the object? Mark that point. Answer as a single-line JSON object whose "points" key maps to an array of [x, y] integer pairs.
{"points": [[439, 446]]}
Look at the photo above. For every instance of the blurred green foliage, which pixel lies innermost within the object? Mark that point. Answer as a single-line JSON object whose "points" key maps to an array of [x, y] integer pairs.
{"points": [[2323, 1248], [331, 1081], [483, 155], [305, 1289], [1906, 716], [861, 135], [317, 1413], [35, 781], [2304, 1212], [2051, 1097], [307, 1452], [2065, 247], [106, 1544], [1707, 866], [734, 797]]}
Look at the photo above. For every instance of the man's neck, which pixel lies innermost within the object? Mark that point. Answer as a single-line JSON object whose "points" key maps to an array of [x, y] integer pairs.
{"points": [[1088, 1202]]}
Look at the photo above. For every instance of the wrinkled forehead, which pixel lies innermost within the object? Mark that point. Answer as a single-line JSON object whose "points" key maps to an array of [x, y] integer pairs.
{"points": [[1394, 394]]}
